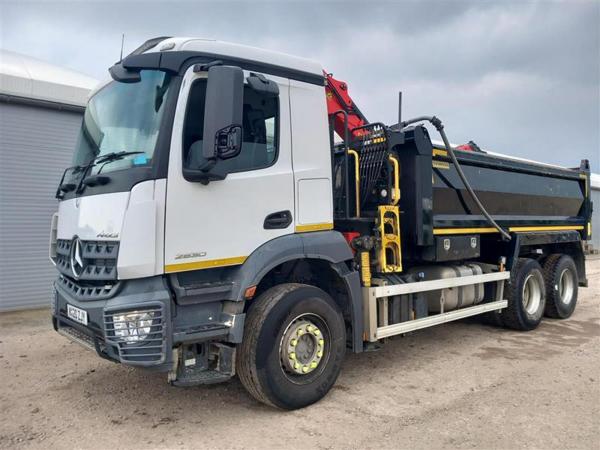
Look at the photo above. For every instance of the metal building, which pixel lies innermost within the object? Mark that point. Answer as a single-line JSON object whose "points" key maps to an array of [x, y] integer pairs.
{"points": [[595, 185], [41, 107]]}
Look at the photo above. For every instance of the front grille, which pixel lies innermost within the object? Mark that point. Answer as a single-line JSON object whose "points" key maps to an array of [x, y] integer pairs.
{"points": [[151, 350], [99, 257], [88, 292]]}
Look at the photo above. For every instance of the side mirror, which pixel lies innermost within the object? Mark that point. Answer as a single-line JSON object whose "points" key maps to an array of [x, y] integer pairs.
{"points": [[223, 113], [229, 142]]}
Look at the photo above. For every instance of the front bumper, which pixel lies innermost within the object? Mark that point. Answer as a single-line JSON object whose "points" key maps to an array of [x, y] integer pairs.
{"points": [[173, 325]]}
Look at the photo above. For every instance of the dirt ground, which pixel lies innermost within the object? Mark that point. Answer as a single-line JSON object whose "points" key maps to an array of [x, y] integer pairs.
{"points": [[462, 385]]}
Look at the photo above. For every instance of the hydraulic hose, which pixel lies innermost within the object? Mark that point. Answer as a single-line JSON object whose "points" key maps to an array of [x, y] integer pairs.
{"points": [[439, 126]]}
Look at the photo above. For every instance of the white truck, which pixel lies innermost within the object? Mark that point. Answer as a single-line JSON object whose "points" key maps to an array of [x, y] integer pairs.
{"points": [[212, 224]]}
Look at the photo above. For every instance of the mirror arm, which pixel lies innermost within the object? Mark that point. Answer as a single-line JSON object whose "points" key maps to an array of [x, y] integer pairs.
{"points": [[259, 83], [204, 67], [202, 177]]}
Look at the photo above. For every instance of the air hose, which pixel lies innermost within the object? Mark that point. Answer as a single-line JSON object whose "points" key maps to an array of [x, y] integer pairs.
{"points": [[439, 126]]}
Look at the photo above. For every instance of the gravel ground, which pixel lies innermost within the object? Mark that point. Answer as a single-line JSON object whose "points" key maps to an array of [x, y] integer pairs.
{"points": [[462, 385]]}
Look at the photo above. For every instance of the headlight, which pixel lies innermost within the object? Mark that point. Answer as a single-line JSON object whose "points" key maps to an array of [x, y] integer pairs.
{"points": [[133, 326]]}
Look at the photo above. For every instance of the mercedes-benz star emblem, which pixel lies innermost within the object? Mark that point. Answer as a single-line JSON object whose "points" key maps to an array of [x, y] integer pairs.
{"points": [[77, 264]]}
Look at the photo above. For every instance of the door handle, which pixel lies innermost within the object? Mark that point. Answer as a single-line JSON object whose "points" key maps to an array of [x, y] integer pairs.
{"points": [[278, 220]]}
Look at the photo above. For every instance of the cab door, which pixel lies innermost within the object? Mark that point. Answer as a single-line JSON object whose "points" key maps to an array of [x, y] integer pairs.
{"points": [[221, 223]]}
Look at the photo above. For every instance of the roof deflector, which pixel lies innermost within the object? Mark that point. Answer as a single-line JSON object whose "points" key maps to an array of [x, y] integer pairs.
{"points": [[128, 69], [150, 43]]}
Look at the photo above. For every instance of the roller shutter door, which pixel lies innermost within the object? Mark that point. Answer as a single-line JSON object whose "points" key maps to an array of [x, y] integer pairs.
{"points": [[36, 144]]}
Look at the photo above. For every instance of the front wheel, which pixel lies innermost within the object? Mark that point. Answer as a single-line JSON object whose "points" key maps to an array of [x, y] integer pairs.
{"points": [[293, 347]]}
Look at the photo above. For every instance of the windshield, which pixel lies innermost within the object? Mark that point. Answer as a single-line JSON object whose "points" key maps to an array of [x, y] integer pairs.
{"points": [[123, 117]]}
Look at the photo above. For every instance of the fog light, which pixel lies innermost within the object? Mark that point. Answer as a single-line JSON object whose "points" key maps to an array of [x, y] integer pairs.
{"points": [[133, 326]]}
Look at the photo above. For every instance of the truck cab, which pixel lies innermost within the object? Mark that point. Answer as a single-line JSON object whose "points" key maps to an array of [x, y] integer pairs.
{"points": [[208, 226]]}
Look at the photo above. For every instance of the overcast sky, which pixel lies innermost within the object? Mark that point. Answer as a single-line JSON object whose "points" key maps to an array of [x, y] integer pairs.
{"points": [[517, 77]]}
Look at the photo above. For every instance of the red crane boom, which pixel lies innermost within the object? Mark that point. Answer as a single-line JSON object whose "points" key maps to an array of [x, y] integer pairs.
{"points": [[339, 100]]}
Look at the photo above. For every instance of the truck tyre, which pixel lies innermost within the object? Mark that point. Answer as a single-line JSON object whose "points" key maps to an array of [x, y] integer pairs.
{"points": [[560, 274], [526, 296], [293, 347]]}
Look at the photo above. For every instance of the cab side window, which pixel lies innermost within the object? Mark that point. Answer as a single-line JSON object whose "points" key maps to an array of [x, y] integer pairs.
{"points": [[260, 130]]}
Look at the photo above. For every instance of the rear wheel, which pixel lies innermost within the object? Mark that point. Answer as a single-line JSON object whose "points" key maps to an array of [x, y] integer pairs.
{"points": [[526, 296], [293, 347], [560, 275]]}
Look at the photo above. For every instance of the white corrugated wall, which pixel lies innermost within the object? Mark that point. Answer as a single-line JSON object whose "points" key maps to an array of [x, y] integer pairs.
{"points": [[36, 144], [595, 195]]}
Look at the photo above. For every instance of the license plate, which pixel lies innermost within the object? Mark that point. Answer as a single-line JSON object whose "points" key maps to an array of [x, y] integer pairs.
{"points": [[78, 315]]}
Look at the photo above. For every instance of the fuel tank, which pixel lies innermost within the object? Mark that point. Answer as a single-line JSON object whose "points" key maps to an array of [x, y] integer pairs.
{"points": [[454, 297]]}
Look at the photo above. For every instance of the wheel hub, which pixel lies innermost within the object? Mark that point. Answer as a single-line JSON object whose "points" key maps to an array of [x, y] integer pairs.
{"points": [[302, 347], [566, 286], [532, 294]]}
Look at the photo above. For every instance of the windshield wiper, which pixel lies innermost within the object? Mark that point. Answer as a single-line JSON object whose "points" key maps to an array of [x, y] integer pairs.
{"points": [[113, 156], [64, 187], [101, 159]]}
